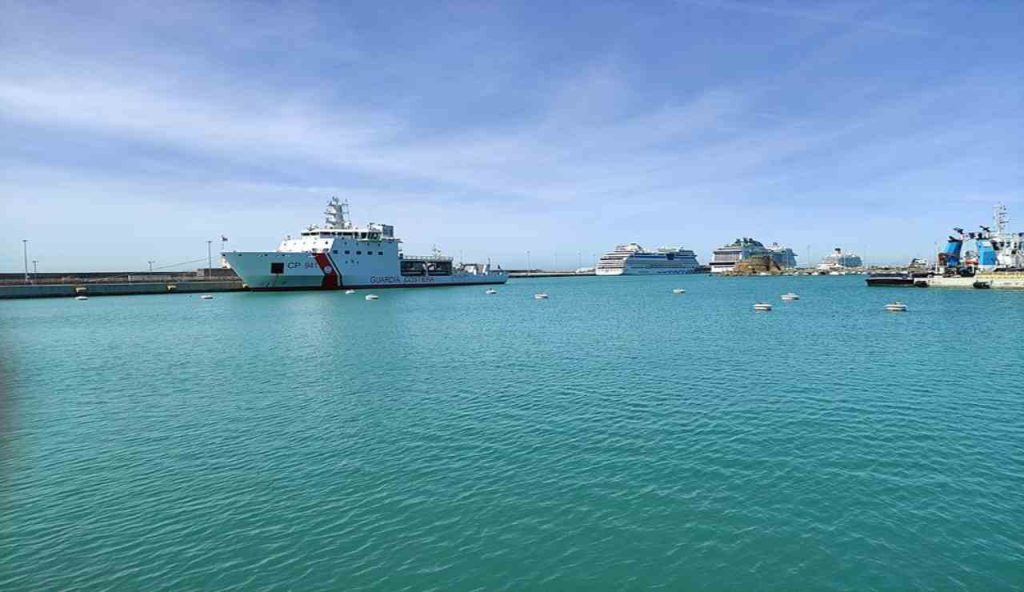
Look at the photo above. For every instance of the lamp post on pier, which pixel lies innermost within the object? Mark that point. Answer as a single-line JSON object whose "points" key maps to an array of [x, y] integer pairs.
{"points": [[24, 249], [35, 267], [150, 266], [209, 259]]}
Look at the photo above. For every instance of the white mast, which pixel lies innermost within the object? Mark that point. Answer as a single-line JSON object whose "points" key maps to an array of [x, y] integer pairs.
{"points": [[999, 218], [337, 214]]}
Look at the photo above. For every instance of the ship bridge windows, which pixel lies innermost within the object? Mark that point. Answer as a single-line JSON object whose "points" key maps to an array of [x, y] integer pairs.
{"points": [[418, 267]]}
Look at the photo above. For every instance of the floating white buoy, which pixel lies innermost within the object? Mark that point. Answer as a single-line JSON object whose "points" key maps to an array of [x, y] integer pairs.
{"points": [[350, 291], [896, 307], [762, 306], [678, 291], [490, 291], [789, 297], [540, 296], [372, 297], [81, 297], [207, 296]]}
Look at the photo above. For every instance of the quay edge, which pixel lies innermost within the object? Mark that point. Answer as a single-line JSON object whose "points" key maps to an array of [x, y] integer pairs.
{"points": [[118, 289]]}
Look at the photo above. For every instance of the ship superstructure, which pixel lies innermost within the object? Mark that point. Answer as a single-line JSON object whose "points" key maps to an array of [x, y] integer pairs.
{"points": [[339, 255], [632, 259], [998, 249], [996, 262], [725, 258], [840, 261]]}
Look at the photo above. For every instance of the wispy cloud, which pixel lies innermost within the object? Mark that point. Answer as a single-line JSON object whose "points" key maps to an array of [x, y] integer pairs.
{"points": [[863, 16], [613, 140]]}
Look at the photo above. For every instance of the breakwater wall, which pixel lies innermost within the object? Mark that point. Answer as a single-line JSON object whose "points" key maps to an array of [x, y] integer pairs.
{"points": [[515, 273], [118, 289]]}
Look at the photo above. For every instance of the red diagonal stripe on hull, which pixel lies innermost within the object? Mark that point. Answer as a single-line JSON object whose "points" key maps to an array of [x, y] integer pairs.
{"points": [[330, 280]]}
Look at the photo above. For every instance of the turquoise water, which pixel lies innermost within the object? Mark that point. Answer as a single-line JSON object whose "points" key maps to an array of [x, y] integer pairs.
{"points": [[615, 436]]}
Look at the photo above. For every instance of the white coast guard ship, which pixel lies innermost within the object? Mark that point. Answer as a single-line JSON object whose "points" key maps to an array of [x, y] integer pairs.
{"points": [[338, 255]]}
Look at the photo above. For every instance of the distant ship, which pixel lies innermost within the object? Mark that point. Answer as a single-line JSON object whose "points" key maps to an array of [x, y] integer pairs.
{"points": [[725, 258], [998, 261], [339, 255], [632, 259], [839, 261]]}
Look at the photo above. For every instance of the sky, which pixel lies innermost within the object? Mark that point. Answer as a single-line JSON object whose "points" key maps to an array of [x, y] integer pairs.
{"points": [[134, 132]]}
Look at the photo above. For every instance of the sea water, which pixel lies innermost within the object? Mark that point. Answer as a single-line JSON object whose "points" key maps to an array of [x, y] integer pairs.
{"points": [[614, 436]]}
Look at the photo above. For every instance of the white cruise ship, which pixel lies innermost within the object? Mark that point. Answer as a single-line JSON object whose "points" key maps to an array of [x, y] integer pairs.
{"points": [[632, 259], [339, 255], [725, 258], [839, 261]]}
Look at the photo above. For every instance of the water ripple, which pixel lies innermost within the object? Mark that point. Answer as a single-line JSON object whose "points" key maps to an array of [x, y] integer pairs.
{"points": [[612, 437]]}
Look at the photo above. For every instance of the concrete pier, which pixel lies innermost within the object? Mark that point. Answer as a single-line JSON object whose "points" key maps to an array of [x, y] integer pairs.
{"points": [[65, 285], [118, 289], [523, 273]]}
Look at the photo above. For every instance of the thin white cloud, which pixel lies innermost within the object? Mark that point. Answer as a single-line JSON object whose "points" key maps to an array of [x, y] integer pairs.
{"points": [[594, 144], [856, 15]]}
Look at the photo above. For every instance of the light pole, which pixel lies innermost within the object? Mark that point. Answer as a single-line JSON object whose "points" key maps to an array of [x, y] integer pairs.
{"points": [[35, 267], [150, 266], [24, 248], [209, 259]]}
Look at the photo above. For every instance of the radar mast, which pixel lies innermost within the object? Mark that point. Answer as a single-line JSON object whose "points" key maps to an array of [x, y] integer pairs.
{"points": [[1000, 218], [337, 214]]}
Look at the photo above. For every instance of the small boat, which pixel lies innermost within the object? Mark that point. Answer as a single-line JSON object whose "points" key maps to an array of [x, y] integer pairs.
{"points": [[372, 297], [762, 306], [350, 291], [790, 296], [540, 296], [490, 291], [896, 307], [678, 291], [207, 296], [81, 297]]}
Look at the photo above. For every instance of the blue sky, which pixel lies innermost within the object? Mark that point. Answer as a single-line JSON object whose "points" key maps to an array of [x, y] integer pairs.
{"points": [[133, 131]]}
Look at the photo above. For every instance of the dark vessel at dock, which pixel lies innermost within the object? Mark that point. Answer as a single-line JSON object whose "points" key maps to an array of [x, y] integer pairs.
{"points": [[906, 279]]}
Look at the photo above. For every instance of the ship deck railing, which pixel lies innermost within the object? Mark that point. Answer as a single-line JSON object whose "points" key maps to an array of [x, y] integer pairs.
{"points": [[432, 258]]}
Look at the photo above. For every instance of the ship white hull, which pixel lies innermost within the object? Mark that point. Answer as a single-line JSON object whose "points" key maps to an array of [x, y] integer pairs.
{"points": [[641, 271], [320, 271]]}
